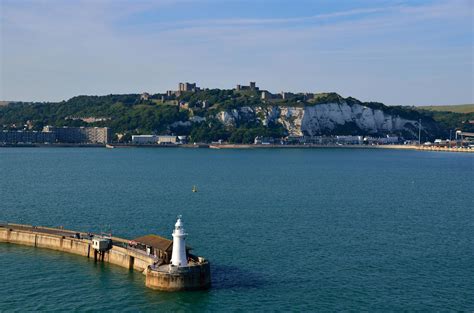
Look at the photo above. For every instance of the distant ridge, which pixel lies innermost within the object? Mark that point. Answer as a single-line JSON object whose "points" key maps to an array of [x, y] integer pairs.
{"points": [[237, 115], [456, 108]]}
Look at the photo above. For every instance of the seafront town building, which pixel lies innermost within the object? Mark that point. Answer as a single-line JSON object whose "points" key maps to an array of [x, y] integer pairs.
{"points": [[20, 136], [327, 140], [52, 134], [154, 139], [81, 134], [144, 139], [350, 140]]}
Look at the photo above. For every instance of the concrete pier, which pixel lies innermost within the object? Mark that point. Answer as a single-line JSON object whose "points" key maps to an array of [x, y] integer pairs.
{"points": [[120, 253], [195, 276]]}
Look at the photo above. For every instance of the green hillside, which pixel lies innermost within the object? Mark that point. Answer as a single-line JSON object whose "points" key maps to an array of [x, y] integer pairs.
{"points": [[459, 108], [184, 114]]}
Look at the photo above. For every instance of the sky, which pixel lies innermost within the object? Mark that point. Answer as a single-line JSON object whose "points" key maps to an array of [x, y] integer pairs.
{"points": [[415, 52]]}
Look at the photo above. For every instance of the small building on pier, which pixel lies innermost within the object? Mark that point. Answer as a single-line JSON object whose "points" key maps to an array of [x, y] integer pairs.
{"points": [[158, 246]]}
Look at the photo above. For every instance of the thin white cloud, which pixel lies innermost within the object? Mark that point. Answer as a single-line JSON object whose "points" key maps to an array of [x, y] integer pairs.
{"points": [[438, 10]]}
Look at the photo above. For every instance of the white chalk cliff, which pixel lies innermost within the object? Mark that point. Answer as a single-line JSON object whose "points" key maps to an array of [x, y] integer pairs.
{"points": [[323, 118]]}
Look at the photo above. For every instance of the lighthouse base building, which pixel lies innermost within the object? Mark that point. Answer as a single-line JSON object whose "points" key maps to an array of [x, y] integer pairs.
{"points": [[196, 276]]}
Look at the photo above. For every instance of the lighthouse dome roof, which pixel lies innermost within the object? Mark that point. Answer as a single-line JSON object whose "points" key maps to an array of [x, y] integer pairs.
{"points": [[179, 222]]}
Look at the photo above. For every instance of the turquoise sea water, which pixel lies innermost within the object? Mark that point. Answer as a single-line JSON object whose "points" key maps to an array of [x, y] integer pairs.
{"points": [[286, 230]]}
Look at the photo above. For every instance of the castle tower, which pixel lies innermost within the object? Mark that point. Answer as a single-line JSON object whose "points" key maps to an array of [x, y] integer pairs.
{"points": [[178, 257]]}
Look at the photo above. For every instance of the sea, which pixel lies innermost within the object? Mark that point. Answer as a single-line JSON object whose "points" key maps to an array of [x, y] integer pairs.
{"points": [[284, 229]]}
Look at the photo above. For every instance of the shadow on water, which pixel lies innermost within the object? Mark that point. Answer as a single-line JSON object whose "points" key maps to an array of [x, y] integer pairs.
{"points": [[232, 277], [224, 277]]}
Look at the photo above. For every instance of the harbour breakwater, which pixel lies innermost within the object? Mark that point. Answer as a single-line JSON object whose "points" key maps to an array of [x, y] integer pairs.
{"points": [[158, 275], [316, 146], [252, 146]]}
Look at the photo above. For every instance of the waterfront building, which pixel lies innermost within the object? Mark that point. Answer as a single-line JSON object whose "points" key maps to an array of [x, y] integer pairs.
{"points": [[80, 134], [260, 140], [20, 136], [154, 139], [350, 140], [144, 139], [165, 139], [294, 139], [183, 139], [382, 140], [315, 140]]}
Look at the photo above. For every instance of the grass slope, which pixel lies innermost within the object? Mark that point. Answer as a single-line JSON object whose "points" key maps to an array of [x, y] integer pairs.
{"points": [[460, 108]]}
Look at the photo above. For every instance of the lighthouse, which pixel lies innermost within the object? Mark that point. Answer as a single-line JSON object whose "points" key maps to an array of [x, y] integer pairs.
{"points": [[178, 257]]}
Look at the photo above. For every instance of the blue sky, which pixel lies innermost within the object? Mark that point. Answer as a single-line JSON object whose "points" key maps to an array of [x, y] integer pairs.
{"points": [[396, 52]]}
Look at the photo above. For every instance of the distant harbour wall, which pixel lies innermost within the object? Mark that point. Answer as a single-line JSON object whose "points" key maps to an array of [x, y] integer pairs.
{"points": [[245, 146]]}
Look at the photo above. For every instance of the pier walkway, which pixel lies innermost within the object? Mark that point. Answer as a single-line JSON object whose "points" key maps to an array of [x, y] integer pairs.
{"points": [[80, 243]]}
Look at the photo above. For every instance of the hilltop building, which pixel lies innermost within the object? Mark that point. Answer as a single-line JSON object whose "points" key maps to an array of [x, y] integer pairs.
{"points": [[286, 95], [145, 96], [265, 95], [183, 87], [308, 95], [252, 86]]}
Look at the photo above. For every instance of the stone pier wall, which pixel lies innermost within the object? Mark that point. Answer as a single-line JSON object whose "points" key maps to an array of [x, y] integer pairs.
{"points": [[119, 256], [194, 277]]}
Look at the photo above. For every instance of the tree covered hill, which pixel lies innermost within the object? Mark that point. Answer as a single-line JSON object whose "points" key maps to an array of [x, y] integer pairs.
{"points": [[213, 114]]}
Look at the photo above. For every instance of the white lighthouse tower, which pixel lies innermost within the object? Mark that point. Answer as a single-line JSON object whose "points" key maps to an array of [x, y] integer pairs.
{"points": [[178, 257]]}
